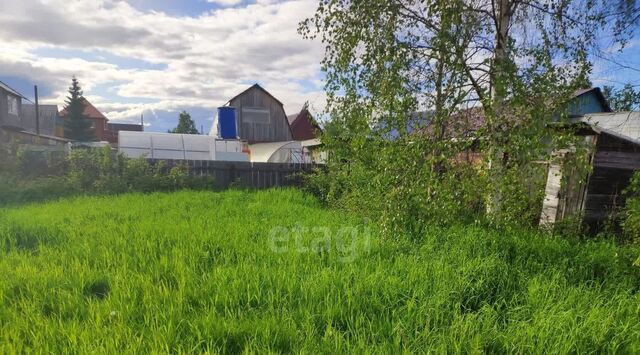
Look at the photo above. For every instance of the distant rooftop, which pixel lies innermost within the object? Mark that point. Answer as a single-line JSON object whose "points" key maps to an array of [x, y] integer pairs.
{"points": [[8, 88]]}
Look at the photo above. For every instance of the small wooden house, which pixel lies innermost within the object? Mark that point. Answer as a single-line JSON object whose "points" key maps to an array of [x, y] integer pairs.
{"points": [[614, 138], [260, 116], [98, 121], [10, 108]]}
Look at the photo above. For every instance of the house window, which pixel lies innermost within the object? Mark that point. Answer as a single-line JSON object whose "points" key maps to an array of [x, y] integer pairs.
{"points": [[255, 115], [12, 108]]}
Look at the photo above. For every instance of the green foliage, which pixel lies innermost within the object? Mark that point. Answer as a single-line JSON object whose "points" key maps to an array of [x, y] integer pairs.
{"points": [[408, 97], [90, 171], [31, 176], [195, 272], [185, 125], [625, 99], [104, 171], [631, 213], [8, 161], [77, 126], [14, 190]]}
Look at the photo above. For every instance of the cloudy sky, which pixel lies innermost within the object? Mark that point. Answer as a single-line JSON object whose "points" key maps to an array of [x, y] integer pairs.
{"points": [[159, 57]]}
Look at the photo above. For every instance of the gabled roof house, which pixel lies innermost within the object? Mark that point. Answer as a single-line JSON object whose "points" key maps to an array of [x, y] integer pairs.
{"points": [[10, 108], [260, 116], [98, 121]]}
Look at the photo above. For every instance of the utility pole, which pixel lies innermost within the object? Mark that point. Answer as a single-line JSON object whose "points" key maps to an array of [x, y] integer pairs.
{"points": [[35, 88]]}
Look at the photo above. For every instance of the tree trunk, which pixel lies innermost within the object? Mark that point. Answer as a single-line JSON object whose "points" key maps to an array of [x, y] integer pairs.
{"points": [[494, 114]]}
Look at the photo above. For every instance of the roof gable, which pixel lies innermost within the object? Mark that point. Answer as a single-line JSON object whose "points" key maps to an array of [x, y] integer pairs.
{"points": [[302, 126], [256, 86], [587, 101], [89, 111]]}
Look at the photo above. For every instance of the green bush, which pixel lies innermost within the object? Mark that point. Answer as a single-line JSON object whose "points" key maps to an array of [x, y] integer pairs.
{"points": [[87, 171], [399, 184], [103, 171], [631, 213], [13, 190]]}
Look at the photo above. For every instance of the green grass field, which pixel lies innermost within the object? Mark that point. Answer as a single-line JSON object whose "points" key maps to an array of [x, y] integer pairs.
{"points": [[274, 271]]}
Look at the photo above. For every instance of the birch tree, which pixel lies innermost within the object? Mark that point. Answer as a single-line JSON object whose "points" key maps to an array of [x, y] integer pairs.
{"points": [[515, 61]]}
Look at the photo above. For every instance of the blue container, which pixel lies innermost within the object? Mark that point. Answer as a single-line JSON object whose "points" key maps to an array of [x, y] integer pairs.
{"points": [[227, 122]]}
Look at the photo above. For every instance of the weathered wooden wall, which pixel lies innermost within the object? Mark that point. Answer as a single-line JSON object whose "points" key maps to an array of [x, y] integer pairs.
{"points": [[254, 175], [614, 163], [276, 130]]}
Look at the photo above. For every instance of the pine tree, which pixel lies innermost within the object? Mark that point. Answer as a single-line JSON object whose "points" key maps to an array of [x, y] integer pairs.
{"points": [[185, 125], [77, 126]]}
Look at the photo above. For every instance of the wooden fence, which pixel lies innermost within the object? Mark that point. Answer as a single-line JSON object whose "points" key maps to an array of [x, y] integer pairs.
{"points": [[255, 175]]}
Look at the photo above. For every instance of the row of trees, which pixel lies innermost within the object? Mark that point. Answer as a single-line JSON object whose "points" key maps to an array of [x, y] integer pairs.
{"points": [[511, 64], [78, 126]]}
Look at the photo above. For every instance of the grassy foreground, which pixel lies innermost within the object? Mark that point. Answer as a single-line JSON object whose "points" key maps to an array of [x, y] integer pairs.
{"points": [[250, 271]]}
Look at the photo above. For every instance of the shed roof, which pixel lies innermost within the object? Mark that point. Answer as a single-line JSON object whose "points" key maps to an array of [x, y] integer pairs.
{"points": [[624, 125], [60, 139]]}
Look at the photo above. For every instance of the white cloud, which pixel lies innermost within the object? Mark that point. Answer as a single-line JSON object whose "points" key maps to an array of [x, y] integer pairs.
{"points": [[206, 59], [225, 2]]}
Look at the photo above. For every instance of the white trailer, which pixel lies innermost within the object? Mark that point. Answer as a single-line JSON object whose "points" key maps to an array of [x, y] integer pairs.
{"points": [[180, 146]]}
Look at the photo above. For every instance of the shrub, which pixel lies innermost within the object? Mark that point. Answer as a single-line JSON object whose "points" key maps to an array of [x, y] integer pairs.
{"points": [[104, 171], [14, 190], [88, 171], [631, 212]]}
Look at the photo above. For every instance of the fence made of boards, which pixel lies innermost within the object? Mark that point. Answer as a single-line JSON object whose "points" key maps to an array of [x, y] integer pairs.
{"points": [[246, 174]]}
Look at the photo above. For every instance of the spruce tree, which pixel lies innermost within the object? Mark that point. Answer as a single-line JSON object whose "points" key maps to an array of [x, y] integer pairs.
{"points": [[77, 126], [185, 125]]}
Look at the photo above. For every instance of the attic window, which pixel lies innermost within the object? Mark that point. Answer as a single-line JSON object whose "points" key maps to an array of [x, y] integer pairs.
{"points": [[255, 115], [12, 107]]}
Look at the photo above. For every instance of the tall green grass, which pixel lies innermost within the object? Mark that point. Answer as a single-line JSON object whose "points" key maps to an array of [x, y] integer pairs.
{"points": [[205, 271]]}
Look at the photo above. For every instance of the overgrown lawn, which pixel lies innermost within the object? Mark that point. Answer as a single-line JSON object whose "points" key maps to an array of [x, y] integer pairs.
{"points": [[274, 271]]}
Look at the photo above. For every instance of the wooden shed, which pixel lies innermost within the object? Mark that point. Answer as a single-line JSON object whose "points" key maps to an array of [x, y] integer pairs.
{"points": [[261, 117], [614, 156]]}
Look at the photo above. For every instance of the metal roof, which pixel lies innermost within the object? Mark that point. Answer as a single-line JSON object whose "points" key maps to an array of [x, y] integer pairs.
{"points": [[625, 125], [7, 88]]}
